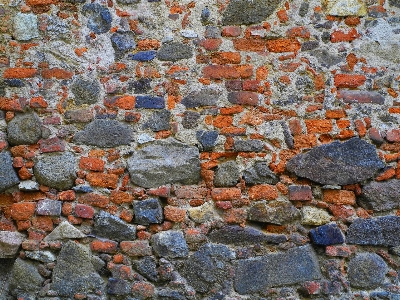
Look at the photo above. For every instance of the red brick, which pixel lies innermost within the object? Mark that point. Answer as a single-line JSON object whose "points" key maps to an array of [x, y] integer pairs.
{"points": [[122, 102], [342, 212], [253, 45], [393, 135], [220, 72], [23, 210], [283, 45], [339, 36], [335, 114], [162, 191], [243, 98], [119, 197], [67, 195], [222, 121], [38, 102], [104, 246], [210, 44], [305, 141], [56, 73], [136, 248], [299, 31], [300, 193], [94, 200], [349, 80], [143, 290], [92, 164], [10, 104], [263, 192], [174, 214], [187, 192], [319, 126], [43, 223], [51, 145], [235, 216], [387, 174], [103, 180], [226, 58], [126, 215], [231, 31], [339, 197], [225, 194], [223, 205], [84, 211], [19, 73]]}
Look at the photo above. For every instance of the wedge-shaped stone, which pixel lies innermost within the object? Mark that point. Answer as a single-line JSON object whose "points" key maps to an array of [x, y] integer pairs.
{"points": [[25, 279], [111, 227], [9, 243], [64, 231], [381, 196], [8, 176]]}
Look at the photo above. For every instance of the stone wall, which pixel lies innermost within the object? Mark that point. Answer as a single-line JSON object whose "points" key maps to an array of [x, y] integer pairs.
{"points": [[213, 149]]}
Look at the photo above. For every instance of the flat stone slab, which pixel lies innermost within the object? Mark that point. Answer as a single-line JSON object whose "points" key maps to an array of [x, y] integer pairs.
{"points": [[203, 97], [380, 195], [64, 231], [111, 227], [8, 176], [367, 270]]}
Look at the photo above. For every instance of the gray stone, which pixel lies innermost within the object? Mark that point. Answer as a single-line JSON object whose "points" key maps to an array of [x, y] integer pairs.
{"points": [[99, 17], [64, 231], [128, 1], [190, 119], [148, 211], [56, 170], [111, 227], [159, 120], [381, 196], [395, 3], [244, 12], [248, 145], [5, 272], [48, 208], [204, 97], [43, 256], [74, 272], [24, 129], [237, 235], [164, 161], [260, 173], [329, 234], [275, 212], [104, 133], [122, 42], [170, 244], [207, 266], [118, 286], [325, 58], [227, 174], [8, 176], [382, 231], [337, 163], [9, 243], [384, 296], [85, 91], [174, 51], [278, 269], [366, 271], [207, 139], [25, 279], [148, 268], [25, 26]]}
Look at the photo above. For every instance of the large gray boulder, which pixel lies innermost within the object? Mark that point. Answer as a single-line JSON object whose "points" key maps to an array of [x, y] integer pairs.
{"points": [[24, 129], [367, 270], [8, 176], [163, 162], [381, 196], [25, 280]]}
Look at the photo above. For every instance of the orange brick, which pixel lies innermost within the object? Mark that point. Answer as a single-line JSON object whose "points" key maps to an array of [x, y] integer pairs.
{"points": [[283, 45], [225, 194], [305, 141], [91, 163], [148, 44], [102, 180], [67, 195], [252, 45], [210, 44], [226, 58], [340, 197], [349, 80], [339, 36], [263, 192], [235, 216], [318, 126], [122, 102], [119, 197], [335, 114], [104, 246], [222, 121], [19, 73], [231, 31], [23, 210], [56, 73], [299, 31], [94, 200], [220, 72], [174, 214], [38, 102], [389, 173], [43, 223]]}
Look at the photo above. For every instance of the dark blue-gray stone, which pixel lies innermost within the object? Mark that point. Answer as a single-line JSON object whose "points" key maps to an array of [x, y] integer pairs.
{"points": [[278, 269], [118, 286], [111, 227], [141, 86], [48, 208], [85, 91], [380, 231], [24, 129], [380, 195], [366, 271], [395, 3], [148, 268], [123, 42], [99, 17], [207, 139], [170, 244], [174, 51], [190, 119], [337, 163], [158, 121], [14, 82], [329, 234], [384, 296], [203, 97], [149, 102], [248, 145], [259, 173], [8, 176], [148, 211], [83, 189], [144, 55]]}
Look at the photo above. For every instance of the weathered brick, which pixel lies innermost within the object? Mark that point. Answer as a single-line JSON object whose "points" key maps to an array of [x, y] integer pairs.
{"points": [[300, 193], [23, 210], [102, 180], [263, 192], [225, 194], [339, 197], [84, 211], [283, 45], [94, 200], [92, 164], [19, 73], [349, 80], [104, 246], [319, 126]]}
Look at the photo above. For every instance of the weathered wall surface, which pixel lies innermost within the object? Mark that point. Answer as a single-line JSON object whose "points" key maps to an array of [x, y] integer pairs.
{"points": [[242, 149]]}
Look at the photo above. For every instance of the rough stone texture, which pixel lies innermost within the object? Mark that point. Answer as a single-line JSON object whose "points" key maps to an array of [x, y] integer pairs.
{"points": [[64, 231], [174, 51], [85, 91], [25, 280], [104, 133], [381, 196], [163, 162], [148, 211], [123, 42], [314, 216], [148, 268], [25, 26], [207, 139], [117, 286], [329, 234], [395, 3], [48, 208], [259, 173], [383, 231], [159, 120], [99, 17], [345, 8], [293, 266], [275, 212], [227, 174], [204, 97], [24, 129], [112, 227], [202, 213], [9, 243], [337, 163], [170, 244], [190, 119], [8, 176], [42, 256], [56, 170], [248, 145], [367, 270]]}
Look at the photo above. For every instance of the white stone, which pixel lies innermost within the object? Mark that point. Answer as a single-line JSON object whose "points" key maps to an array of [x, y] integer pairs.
{"points": [[43, 256], [203, 213], [145, 138], [64, 231], [190, 34], [314, 216], [345, 8], [9, 243], [28, 185], [25, 26]]}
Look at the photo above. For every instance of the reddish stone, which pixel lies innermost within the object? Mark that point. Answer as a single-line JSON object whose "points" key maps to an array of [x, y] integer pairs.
{"points": [[235, 216], [283, 45], [263, 192], [67, 195], [210, 44], [350, 96], [253, 45], [84, 211], [122, 102], [312, 287], [92, 164], [243, 98], [93, 199], [319, 126], [43, 223], [142, 290], [23, 210], [136, 248], [174, 214], [102, 180], [339, 250], [223, 205], [231, 31], [52, 145], [38, 102], [226, 58], [341, 197], [162, 191], [119, 197], [349, 80], [393, 135], [104, 246], [225, 194], [342, 212], [57, 73], [300, 193]]}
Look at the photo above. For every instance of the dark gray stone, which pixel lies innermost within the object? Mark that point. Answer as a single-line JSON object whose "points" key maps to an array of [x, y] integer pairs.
{"points": [[382, 231], [190, 119], [278, 269], [8, 176], [99, 17], [174, 51], [227, 174], [204, 97], [325, 58], [395, 3], [248, 146], [243, 12], [148, 268], [169, 294], [170, 244], [48, 208], [212, 32], [165, 161], [118, 287], [122, 42], [304, 8], [207, 139], [148, 211], [104, 133], [111, 227], [25, 279], [310, 45], [260, 173], [381, 196], [337, 163], [275, 212], [24, 129], [329, 234], [366, 271], [237, 235], [207, 266], [85, 91], [384, 296], [141, 86], [159, 120], [5, 273], [56, 170], [74, 272]]}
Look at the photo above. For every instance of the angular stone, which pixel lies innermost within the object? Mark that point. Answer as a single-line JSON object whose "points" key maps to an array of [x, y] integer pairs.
{"points": [[56, 170], [25, 279], [275, 212], [122, 42], [8, 176], [203, 213], [243, 12], [344, 8], [382, 231], [170, 244], [207, 139], [25, 26], [64, 231], [74, 273], [260, 173], [164, 161], [395, 3], [367, 271], [354, 96], [337, 163], [148, 211], [237, 235], [144, 55], [204, 97], [85, 91], [111, 227], [42, 256], [190, 119], [174, 51], [311, 215], [104, 133], [248, 146], [28, 186], [136, 248], [325, 58], [149, 102], [380, 196], [118, 287], [9, 243], [148, 268], [159, 120], [293, 266], [329, 234], [208, 266], [227, 174], [99, 17], [24, 129], [48, 208]]}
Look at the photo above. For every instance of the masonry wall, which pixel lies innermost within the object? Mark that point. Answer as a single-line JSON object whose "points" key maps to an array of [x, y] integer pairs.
{"points": [[242, 149]]}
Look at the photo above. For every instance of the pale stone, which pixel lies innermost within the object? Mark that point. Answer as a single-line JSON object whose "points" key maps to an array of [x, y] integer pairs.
{"points": [[25, 26], [202, 213], [64, 231], [9, 243], [345, 8], [28, 185], [314, 216]]}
